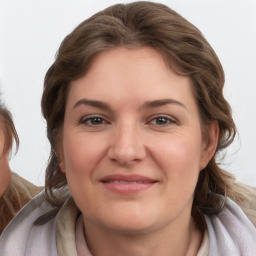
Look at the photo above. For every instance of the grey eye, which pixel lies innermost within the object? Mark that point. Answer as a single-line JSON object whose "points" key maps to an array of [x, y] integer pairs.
{"points": [[161, 120], [97, 120], [93, 121]]}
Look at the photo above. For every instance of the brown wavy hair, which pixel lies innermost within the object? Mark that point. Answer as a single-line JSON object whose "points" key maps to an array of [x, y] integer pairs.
{"points": [[186, 51]]}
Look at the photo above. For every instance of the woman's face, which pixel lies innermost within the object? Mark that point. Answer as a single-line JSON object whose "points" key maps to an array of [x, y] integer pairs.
{"points": [[132, 146], [4, 165]]}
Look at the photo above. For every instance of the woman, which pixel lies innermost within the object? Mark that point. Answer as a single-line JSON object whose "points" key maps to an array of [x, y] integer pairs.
{"points": [[15, 192], [135, 117]]}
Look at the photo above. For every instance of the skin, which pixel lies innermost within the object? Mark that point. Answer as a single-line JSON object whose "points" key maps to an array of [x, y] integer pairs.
{"points": [[135, 131], [5, 172]]}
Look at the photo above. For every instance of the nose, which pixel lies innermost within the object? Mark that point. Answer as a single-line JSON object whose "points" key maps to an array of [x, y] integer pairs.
{"points": [[127, 145]]}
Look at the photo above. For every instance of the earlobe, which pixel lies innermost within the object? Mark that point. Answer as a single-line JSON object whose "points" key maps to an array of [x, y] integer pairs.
{"points": [[60, 154], [210, 144], [62, 166], [60, 159]]}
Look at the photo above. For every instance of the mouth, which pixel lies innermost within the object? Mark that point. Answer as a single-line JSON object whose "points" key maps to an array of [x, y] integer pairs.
{"points": [[127, 184]]}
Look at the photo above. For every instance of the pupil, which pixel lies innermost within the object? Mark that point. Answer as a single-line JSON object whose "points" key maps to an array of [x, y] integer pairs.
{"points": [[161, 120], [96, 120]]}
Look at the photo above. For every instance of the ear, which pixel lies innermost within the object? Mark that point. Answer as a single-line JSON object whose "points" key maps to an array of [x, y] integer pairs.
{"points": [[62, 166], [60, 157], [210, 142], [59, 150]]}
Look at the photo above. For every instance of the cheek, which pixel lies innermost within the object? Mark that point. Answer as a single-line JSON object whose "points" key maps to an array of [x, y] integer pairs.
{"points": [[81, 154], [82, 158], [180, 151], [180, 159]]}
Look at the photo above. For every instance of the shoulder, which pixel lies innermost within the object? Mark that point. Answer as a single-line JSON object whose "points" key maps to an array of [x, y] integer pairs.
{"points": [[248, 204], [231, 232], [16, 237], [19, 192], [24, 186]]}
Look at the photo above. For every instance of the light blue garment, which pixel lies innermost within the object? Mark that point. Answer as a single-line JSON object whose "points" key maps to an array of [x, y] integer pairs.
{"points": [[230, 233]]}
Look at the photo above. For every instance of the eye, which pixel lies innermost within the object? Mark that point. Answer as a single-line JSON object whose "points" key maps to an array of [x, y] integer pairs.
{"points": [[162, 121], [93, 121]]}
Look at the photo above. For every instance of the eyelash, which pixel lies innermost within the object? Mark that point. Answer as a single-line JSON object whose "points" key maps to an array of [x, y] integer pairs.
{"points": [[169, 121], [90, 119]]}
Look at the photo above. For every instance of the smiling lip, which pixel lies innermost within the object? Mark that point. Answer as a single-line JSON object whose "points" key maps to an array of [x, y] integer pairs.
{"points": [[127, 184]]}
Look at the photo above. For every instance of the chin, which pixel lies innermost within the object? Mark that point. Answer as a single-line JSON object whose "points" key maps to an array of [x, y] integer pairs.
{"points": [[131, 228], [130, 222]]}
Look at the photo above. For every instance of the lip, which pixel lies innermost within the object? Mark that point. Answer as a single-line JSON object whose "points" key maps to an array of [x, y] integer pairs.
{"points": [[127, 184]]}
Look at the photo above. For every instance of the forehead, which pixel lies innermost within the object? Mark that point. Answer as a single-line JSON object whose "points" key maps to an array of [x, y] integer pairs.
{"points": [[130, 71]]}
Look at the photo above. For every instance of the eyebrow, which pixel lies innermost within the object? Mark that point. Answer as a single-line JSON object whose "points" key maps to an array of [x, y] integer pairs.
{"points": [[147, 104], [162, 102], [93, 103]]}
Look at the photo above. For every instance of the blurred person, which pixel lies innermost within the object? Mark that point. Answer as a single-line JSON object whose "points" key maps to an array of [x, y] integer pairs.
{"points": [[15, 191]]}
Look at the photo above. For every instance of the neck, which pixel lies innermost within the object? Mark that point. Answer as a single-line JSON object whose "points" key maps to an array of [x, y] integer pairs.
{"points": [[181, 240]]}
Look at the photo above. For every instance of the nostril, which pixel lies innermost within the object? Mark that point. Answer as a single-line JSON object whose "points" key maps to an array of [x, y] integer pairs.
{"points": [[126, 146]]}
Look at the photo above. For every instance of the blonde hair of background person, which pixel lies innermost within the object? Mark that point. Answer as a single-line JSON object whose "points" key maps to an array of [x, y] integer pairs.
{"points": [[87, 127], [15, 191]]}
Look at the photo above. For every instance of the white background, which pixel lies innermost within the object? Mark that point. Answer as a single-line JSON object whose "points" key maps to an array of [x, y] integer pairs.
{"points": [[31, 31]]}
